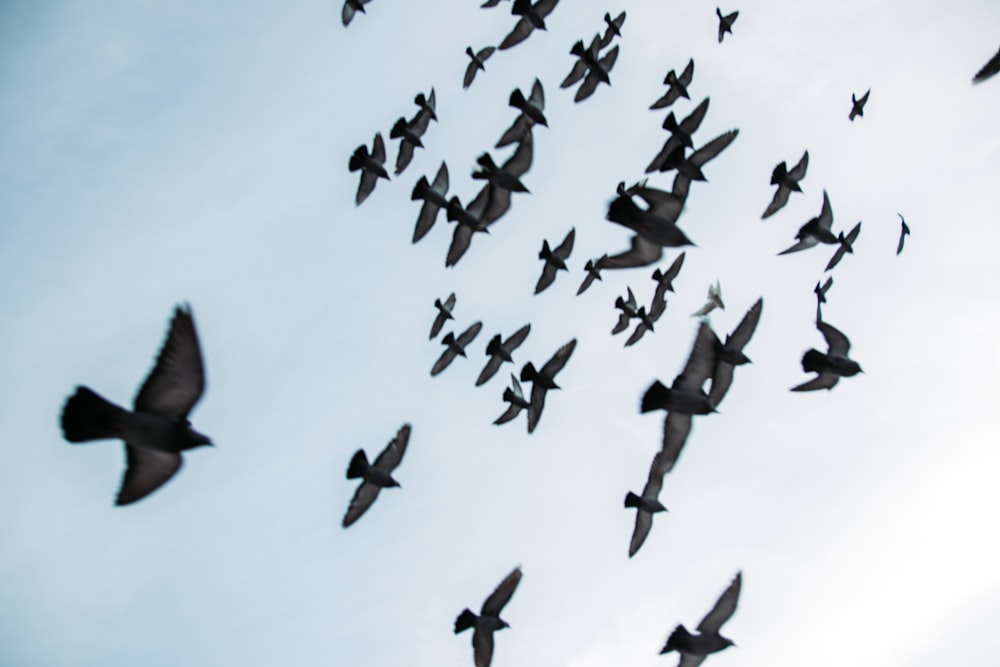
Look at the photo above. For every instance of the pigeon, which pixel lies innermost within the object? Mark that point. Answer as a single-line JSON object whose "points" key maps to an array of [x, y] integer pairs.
{"points": [[787, 182], [646, 505], [821, 291], [858, 106], [515, 397], [846, 245], [833, 365], [533, 107], [427, 104], [665, 280], [444, 314], [725, 23], [685, 396], [904, 231], [350, 7], [532, 18], [599, 70], [695, 648], [593, 268], [489, 619], [507, 177], [714, 301], [656, 224], [543, 380], [614, 28], [678, 87], [730, 354], [376, 476], [470, 219], [690, 167], [646, 320], [630, 310], [433, 196], [157, 429], [409, 133], [500, 352], [988, 70], [580, 67], [478, 59], [555, 260], [455, 347], [817, 230], [370, 166], [680, 134]]}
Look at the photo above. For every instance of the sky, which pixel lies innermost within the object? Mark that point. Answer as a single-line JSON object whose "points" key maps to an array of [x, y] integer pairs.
{"points": [[196, 152]]}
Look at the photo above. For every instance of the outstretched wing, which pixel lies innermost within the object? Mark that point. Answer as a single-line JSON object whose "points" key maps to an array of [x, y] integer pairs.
{"points": [[393, 452], [177, 380]]}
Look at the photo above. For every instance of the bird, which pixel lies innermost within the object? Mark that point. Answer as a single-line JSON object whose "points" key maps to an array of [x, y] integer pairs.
{"points": [[427, 104], [685, 396], [817, 230], [507, 177], [157, 428], [544, 379], [714, 301], [787, 182], [555, 260], [725, 23], [678, 86], [479, 59], [351, 6], [534, 106], [593, 268], [833, 365], [646, 321], [500, 352], [646, 505], [680, 134], [858, 106], [730, 354], [694, 648], [614, 28], [409, 134], [444, 314], [656, 224], [515, 397], [822, 290], [598, 69], [375, 476], [630, 310], [433, 196], [532, 17], [370, 166], [665, 279], [488, 621], [580, 66], [988, 70], [846, 246], [690, 167], [455, 347], [904, 231], [472, 218]]}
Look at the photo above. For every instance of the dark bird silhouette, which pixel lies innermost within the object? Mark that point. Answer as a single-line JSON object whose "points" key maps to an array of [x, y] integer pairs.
{"points": [[507, 177], [488, 621], [614, 28], [376, 476], [646, 505], [833, 365], [476, 217], [646, 320], [656, 224], [714, 301], [725, 23], [532, 18], [680, 134], [665, 280], [858, 106], [500, 352], [846, 246], [350, 7], [370, 166], [580, 67], [988, 70], [478, 60], [455, 347], [686, 396], [434, 198], [787, 182], [444, 314], [409, 133], [427, 104], [822, 290], [555, 260], [515, 397], [904, 231], [157, 429], [689, 168], [598, 69], [543, 380], [817, 230], [533, 107], [694, 648], [593, 268], [730, 354], [678, 86], [630, 310]]}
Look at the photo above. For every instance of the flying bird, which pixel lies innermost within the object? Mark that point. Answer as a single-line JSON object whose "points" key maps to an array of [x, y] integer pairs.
{"points": [[427, 104], [678, 86], [478, 60], [858, 106], [543, 380], [656, 224], [665, 279], [646, 320], [350, 7], [534, 106], [444, 314], [370, 166], [988, 70], [904, 231], [685, 396], [532, 18], [157, 429], [730, 354], [694, 648], [689, 168], [787, 182], [598, 69], [614, 28], [473, 218], [488, 621], [455, 347], [409, 133], [490, 3], [515, 397], [833, 365], [434, 198], [714, 301], [555, 260], [646, 505], [500, 352], [725, 23], [846, 245], [822, 290], [817, 230], [680, 134], [375, 476], [630, 310], [593, 268]]}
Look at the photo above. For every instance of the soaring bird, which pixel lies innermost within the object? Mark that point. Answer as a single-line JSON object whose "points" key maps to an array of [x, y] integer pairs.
{"points": [[614, 28], [714, 301], [646, 320], [434, 198], [370, 165], [427, 104], [904, 231], [543, 380], [455, 347], [833, 365], [630, 310], [695, 648], [858, 106], [532, 18], [555, 260], [646, 505], [375, 476], [409, 132], [685, 396], [665, 279], [350, 7], [488, 621], [988, 70], [517, 402], [157, 430], [534, 106], [725, 23], [499, 351], [444, 314], [846, 245], [656, 224], [478, 60], [678, 86], [787, 182], [730, 353], [598, 69], [680, 134], [817, 230], [593, 268], [821, 290]]}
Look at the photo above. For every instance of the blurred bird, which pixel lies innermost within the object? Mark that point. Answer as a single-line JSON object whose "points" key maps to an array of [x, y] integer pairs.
{"points": [[433, 196], [471, 219], [507, 177], [817, 230], [532, 18], [846, 245], [686, 396], [478, 63], [904, 231], [614, 28], [725, 23], [444, 313], [500, 352], [730, 353], [988, 70], [665, 280], [157, 430], [680, 134], [375, 476], [543, 380], [593, 269], [533, 107], [455, 347], [598, 69], [555, 260], [630, 310], [690, 167], [515, 397], [580, 67], [489, 619], [370, 166], [646, 321], [656, 224], [646, 505], [695, 648], [858, 106], [409, 132], [821, 291], [427, 104], [351, 6], [833, 365], [787, 182], [714, 301], [678, 86]]}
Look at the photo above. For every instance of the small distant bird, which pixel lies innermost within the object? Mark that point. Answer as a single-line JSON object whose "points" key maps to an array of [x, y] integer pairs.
{"points": [[370, 166], [817, 230], [646, 320], [409, 133], [489, 619], [532, 18], [500, 352], [904, 231], [725, 23], [690, 167], [846, 246], [532, 107], [444, 314], [472, 218], [680, 134], [646, 505], [351, 6], [614, 28], [598, 69], [455, 347], [821, 291], [507, 177], [427, 104], [515, 397], [543, 380], [730, 354], [678, 86], [593, 268], [988, 70], [434, 198], [714, 301], [555, 260], [833, 365], [686, 396], [630, 310], [157, 429], [665, 280], [695, 648], [479, 59], [787, 182], [580, 67], [858, 106], [376, 476]]}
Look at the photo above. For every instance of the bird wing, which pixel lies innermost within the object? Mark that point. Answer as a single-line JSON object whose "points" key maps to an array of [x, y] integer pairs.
{"points": [[362, 500], [444, 360], [469, 334], [712, 148], [537, 98], [676, 428], [575, 74], [821, 381], [640, 330], [418, 124], [836, 341], [482, 646], [495, 603], [622, 324], [744, 330], [438, 323], [520, 161], [721, 381], [724, 607], [346, 14], [536, 405], [691, 660], [544, 7], [802, 244], [838, 254], [701, 362], [643, 523], [512, 411], [393, 452], [988, 70], [440, 184], [378, 149], [489, 370], [146, 470], [404, 157], [640, 253], [425, 220], [460, 241], [547, 278], [693, 120], [470, 74], [588, 87], [667, 99], [365, 187], [825, 219], [518, 34], [177, 380], [566, 247], [516, 338], [688, 74], [521, 125], [559, 359], [777, 202], [798, 172]]}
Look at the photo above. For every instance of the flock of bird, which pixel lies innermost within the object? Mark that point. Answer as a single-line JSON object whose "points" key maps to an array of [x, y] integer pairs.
{"points": [[157, 430]]}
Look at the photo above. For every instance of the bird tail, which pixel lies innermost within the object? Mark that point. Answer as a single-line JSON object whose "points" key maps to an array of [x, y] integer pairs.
{"points": [[420, 188], [465, 621], [358, 465], [670, 123], [631, 500], [448, 339], [655, 397], [87, 417], [517, 99], [546, 251], [813, 361], [528, 373], [677, 640]]}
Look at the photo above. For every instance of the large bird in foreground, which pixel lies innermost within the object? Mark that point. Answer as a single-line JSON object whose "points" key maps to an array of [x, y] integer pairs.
{"points": [[544, 379], [694, 648], [376, 476], [488, 621]]}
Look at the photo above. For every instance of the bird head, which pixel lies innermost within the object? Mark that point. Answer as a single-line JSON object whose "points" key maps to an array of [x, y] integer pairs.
{"points": [[191, 438]]}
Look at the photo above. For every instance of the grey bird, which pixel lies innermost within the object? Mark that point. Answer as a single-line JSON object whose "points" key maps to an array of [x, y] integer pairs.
{"points": [[370, 165], [694, 648], [544, 379], [471, 219], [656, 224], [678, 86], [787, 182], [730, 354], [375, 476], [614, 28], [858, 106], [478, 60], [515, 397], [725, 23], [680, 134], [488, 621], [555, 260], [532, 18], [350, 7], [434, 196], [507, 177], [646, 320], [817, 230], [846, 246], [714, 301], [822, 290], [580, 67], [988, 70], [832, 365], [444, 314], [500, 351], [534, 106], [689, 168], [904, 231], [685, 396], [455, 347], [598, 69], [409, 133], [593, 268], [427, 104], [157, 429], [665, 279], [646, 505], [630, 310]]}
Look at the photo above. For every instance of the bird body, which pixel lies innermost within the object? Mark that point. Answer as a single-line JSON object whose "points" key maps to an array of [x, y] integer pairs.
{"points": [[488, 620], [478, 60], [831, 365], [725, 23], [543, 379], [678, 86], [375, 476], [695, 647], [858, 105]]}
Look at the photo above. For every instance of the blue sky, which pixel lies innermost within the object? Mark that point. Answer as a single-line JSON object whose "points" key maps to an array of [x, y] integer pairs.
{"points": [[156, 154]]}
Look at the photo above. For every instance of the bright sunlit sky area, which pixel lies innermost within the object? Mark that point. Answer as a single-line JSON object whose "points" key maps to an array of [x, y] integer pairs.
{"points": [[157, 153]]}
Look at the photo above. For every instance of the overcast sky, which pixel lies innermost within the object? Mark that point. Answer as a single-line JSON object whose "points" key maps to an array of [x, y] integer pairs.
{"points": [[159, 153]]}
